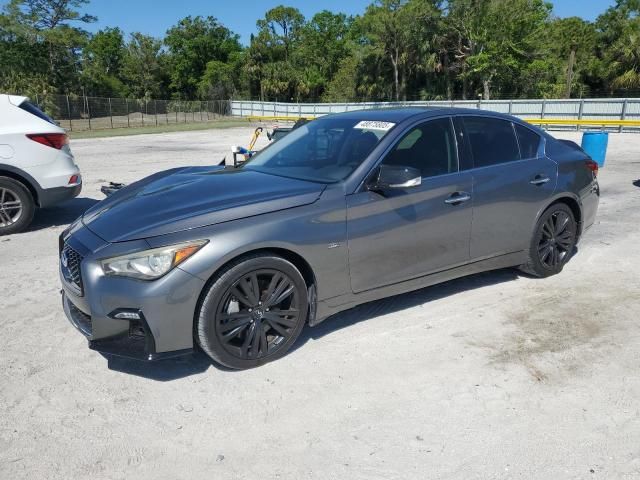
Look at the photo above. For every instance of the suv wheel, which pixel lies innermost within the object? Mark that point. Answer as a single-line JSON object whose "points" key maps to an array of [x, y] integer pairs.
{"points": [[16, 206], [253, 312], [553, 242]]}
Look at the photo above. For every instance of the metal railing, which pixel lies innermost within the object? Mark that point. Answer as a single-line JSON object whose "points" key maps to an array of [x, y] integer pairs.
{"points": [[76, 113], [621, 113]]}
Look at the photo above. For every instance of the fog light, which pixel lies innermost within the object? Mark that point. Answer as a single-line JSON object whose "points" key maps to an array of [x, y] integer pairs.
{"points": [[127, 315]]}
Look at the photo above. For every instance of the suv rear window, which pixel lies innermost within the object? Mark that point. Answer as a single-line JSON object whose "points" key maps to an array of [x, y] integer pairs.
{"points": [[33, 110]]}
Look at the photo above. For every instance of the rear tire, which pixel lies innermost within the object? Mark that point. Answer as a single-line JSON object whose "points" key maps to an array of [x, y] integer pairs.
{"points": [[252, 312], [17, 206], [553, 242]]}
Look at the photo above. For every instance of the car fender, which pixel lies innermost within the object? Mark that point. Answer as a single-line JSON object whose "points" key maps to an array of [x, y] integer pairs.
{"points": [[23, 177]]}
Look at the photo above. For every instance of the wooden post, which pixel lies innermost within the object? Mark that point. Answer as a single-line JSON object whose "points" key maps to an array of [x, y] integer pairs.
{"points": [[69, 114], [88, 111], [110, 112]]}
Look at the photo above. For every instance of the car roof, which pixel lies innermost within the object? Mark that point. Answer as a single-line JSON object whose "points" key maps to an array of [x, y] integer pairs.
{"points": [[400, 114], [13, 99]]}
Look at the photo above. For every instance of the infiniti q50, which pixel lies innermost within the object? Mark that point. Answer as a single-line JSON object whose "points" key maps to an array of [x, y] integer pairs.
{"points": [[344, 210]]}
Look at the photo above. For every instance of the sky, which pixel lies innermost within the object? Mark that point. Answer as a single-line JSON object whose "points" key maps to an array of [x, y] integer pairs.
{"points": [[154, 17]]}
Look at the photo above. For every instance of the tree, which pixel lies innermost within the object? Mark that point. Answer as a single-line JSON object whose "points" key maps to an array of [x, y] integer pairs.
{"points": [[569, 45], [103, 58], [620, 43], [268, 61], [50, 22], [279, 30], [495, 38], [395, 28], [222, 80], [142, 66], [193, 43]]}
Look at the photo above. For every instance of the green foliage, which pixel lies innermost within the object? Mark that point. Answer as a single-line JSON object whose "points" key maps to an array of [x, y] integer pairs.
{"points": [[142, 66], [394, 50], [193, 43], [103, 59]]}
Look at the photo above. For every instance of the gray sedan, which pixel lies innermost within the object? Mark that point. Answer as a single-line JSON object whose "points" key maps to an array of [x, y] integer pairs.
{"points": [[344, 210]]}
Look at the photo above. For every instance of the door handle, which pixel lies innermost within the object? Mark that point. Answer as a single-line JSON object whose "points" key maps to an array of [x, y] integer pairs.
{"points": [[540, 180], [457, 198]]}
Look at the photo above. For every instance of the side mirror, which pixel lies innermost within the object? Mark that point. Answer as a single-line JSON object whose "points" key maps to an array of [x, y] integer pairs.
{"points": [[396, 176]]}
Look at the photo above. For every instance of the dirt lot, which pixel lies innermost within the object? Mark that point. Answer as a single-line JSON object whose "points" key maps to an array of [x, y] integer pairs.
{"points": [[492, 376]]}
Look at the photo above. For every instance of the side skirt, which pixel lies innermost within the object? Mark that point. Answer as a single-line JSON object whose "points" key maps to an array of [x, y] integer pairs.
{"points": [[331, 306]]}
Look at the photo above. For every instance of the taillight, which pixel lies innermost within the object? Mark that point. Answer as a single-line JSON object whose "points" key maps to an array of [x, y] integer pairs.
{"points": [[53, 140], [593, 166]]}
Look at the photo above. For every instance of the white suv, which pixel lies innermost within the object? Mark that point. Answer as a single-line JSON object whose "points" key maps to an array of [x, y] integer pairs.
{"points": [[37, 168]]}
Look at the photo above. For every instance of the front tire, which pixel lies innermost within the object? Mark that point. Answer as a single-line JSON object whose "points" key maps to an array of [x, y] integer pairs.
{"points": [[252, 312], [17, 206], [553, 242]]}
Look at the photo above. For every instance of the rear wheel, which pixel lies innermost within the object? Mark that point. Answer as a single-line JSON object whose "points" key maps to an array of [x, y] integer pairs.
{"points": [[253, 312], [553, 242], [17, 206]]}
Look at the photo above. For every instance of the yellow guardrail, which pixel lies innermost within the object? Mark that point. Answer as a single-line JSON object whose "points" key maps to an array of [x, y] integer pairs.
{"points": [[594, 122], [261, 118], [584, 121]]}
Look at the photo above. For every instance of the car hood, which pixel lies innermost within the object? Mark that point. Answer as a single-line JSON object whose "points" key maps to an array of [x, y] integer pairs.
{"points": [[185, 198]]}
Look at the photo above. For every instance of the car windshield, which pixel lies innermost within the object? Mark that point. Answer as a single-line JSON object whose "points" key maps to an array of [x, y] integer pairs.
{"points": [[325, 150]]}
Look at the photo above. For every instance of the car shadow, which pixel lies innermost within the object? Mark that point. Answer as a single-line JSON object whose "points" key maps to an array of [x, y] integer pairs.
{"points": [[163, 370], [636, 183], [386, 306], [61, 214], [198, 362]]}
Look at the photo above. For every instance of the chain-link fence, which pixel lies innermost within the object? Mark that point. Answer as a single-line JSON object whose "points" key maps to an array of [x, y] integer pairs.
{"points": [[76, 113]]}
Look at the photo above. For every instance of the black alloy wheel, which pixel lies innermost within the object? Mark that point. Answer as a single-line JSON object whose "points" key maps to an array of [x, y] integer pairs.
{"points": [[253, 312], [557, 239], [258, 313], [553, 243]]}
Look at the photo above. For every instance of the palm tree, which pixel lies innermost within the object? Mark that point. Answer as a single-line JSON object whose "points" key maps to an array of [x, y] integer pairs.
{"points": [[626, 54]]}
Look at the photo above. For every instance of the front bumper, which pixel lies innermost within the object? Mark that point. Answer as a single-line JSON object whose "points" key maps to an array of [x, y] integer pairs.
{"points": [[136, 342], [165, 306]]}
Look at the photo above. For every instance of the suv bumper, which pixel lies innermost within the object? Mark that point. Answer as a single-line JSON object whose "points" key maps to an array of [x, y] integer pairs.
{"points": [[52, 196]]}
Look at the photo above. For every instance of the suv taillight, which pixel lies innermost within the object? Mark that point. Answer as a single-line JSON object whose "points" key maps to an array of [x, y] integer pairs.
{"points": [[593, 166], [53, 140]]}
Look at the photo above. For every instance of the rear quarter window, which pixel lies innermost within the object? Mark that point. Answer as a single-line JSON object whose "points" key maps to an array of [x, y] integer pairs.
{"points": [[528, 140], [33, 110]]}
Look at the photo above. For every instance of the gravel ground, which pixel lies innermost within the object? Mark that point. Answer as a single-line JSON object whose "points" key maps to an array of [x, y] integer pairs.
{"points": [[492, 376]]}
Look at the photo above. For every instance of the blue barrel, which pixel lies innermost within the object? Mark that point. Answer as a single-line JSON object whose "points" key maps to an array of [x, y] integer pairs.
{"points": [[595, 144]]}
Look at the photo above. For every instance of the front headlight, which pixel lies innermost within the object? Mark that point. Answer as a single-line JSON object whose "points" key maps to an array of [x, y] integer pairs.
{"points": [[151, 264]]}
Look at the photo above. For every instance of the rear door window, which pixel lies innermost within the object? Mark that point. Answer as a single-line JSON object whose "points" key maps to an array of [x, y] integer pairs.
{"points": [[493, 141], [33, 110], [529, 142]]}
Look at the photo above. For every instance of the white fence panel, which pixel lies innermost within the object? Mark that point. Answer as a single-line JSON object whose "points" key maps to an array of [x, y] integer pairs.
{"points": [[566, 109]]}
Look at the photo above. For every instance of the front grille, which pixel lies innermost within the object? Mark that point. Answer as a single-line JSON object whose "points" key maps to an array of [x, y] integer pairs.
{"points": [[71, 271]]}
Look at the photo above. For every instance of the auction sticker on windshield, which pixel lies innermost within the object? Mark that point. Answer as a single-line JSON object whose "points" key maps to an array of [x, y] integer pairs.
{"points": [[373, 125]]}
